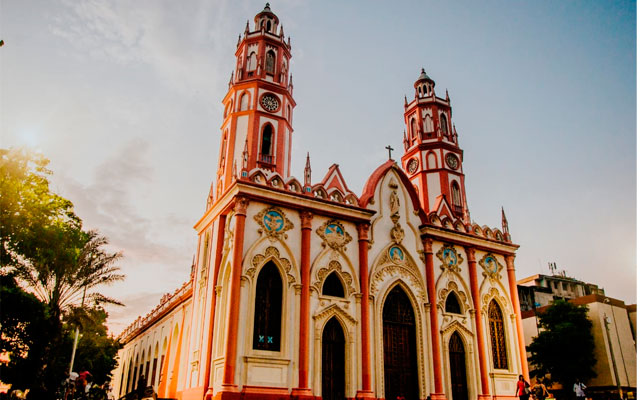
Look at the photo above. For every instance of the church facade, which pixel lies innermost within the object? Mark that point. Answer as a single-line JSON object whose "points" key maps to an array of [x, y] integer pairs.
{"points": [[307, 290]]}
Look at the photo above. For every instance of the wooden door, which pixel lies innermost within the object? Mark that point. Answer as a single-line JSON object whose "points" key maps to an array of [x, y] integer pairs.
{"points": [[458, 368], [400, 355], [333, 385]]}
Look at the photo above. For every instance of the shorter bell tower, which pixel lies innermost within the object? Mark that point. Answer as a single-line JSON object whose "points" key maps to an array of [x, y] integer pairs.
{"points": [[256, 130], [432, 158]]}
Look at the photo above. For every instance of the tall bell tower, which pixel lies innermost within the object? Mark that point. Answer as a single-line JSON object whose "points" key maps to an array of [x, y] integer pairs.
{"points": [[258, 107], [432, 157]]}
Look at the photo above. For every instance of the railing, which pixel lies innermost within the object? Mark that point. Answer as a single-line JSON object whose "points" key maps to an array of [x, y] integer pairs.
{"points": [[266, 158], [165, 302]]}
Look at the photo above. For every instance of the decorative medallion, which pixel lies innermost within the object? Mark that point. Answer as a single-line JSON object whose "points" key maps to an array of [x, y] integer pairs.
{"points": [[271, 253], [412, 166], [452, 160], [333, 235], [269, 102], [344, 275], [396, 255], [273, 223], [450, 258], [491, 266]]}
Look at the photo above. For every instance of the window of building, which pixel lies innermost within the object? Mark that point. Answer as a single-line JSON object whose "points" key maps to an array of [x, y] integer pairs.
{"points": [[443, 124], [332, 286], [270, 63], [498, 342], [455, 194], [452, 305], [413, 128], [268, 309], [564, 286], [267, 135], [244, 102], [252, 63]]}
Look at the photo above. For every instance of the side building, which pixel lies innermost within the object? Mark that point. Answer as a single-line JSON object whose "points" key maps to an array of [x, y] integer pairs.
{"points": [[613, 328], [306, 290]]}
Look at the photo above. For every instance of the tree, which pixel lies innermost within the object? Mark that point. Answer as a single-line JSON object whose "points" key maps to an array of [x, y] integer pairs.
{"points": [[564, 348], [23, 321], [43, 245]]}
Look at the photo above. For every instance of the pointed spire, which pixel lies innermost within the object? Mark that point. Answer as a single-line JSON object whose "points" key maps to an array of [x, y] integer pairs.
{"points": [[447, 98], [239, 40], [289, 41], [505, 224], [307, 172], [231, 79], [246, 29], [405, 101], [235, 171], [282, 31], [210, 197]]}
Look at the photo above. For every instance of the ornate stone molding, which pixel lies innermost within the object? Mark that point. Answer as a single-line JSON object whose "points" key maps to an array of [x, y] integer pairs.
{"points": [[271, 253], [305, 219], [241, 205], [450, 258], [493, 293], [455, 326], [345, 277], [334, 309], [333, 235], [397, 233], [363, 230], [462, 297], [491, 267], [387, 268], [273, 223]]}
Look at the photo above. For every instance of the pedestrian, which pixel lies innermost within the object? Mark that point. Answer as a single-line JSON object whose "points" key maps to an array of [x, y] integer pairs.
{"points": [[539, 390], [522, 388], [578, 389]]}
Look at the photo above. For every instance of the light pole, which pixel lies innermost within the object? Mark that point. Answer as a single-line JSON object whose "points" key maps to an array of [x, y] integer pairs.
{"points": [[75, 341], [613, 357]]}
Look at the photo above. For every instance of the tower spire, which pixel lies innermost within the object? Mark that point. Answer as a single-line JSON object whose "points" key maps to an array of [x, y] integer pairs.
{"points": [[505, 224], [307, 172]]}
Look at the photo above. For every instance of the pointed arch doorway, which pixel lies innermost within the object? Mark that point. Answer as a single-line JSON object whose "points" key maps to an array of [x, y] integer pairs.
{"points": [[333, 350], [458, 368], [400, 362]]}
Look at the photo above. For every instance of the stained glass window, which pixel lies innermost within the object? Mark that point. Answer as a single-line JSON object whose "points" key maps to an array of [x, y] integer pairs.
{"points": [[498, 343]]}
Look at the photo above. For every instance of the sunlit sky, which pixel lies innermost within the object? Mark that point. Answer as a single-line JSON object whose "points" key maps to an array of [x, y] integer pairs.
{"points": [[124, 98]]}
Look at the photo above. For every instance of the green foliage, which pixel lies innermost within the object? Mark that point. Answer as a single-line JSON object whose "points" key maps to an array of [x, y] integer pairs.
{"points": [[23, 320], [43, 246], [97, 350], [564, 349]]}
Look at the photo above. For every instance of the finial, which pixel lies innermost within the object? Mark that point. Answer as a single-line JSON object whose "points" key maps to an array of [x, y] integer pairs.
{"points": [[447, 90], [405, 100], [281, 31], [289, 41], [238, 44], [246, 28], [307, 171], [390, 150], [235, 171], [505, 223]]}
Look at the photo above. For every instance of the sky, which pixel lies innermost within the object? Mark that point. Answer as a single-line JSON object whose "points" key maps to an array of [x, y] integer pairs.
{"points": [[124, 97]]}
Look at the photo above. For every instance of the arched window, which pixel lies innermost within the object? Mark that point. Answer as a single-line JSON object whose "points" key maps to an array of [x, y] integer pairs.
{"points": [[452, 305], [268, 309], [270, 63], [252, 63], [268, 25], [223, 150], [455, 194], [496, 330], [244, 102], [332, 286], [267, 136], [443, 124], [413, 128]]}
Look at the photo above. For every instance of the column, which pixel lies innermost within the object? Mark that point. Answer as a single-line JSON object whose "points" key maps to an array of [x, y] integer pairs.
{"points": [[515, 302], [231, 336], [303, 390], [475, 295], [363, 259], [208, 389], [438, 392]]}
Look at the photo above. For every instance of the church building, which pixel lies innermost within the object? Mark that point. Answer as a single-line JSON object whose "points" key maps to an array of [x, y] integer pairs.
{"points": [[303, 290]]}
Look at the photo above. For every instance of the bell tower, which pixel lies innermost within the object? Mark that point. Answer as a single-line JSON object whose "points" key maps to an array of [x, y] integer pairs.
{"points": [[432, 158], [256, 130]]}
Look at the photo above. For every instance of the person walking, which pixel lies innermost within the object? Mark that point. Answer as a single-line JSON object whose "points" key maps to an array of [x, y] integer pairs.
{"points": [[578, 389], [522, 388], [540, 391]]}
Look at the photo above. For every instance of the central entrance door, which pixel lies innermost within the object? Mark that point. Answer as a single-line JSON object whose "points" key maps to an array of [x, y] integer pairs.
{"points": [[333, 361], [458, 368], [400, 362]]}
